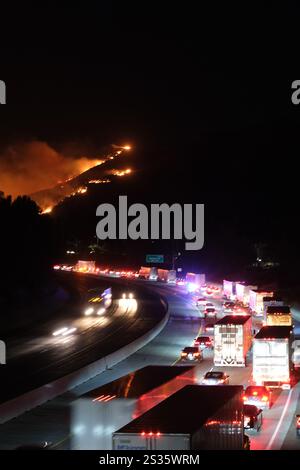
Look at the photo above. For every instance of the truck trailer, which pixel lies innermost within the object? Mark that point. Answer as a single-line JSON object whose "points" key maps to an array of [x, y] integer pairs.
{"points": [[172, 275], [243, 293], [105, 409], [229, 290], [194, 281], [279, 316], [198, 417], [271, 302], [149, 273], [232, 340], [85, 266], [256, 301], [272, 356]]}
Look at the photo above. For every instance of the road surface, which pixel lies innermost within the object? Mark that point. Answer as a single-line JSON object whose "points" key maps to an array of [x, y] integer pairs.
{"points": [[51, 421]]}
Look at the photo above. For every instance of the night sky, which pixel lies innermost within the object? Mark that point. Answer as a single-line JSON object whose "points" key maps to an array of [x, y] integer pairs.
{"points": [[204, 97]]}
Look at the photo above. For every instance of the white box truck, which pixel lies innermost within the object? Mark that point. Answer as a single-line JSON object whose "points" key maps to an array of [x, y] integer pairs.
{"points": [[242, 293], [229, 290], [256, 301], [197, 417], [272, 356], [232, 340]]}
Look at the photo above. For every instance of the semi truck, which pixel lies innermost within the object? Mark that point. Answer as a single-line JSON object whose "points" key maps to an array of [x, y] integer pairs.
{"points": [[197, 417], [232, 340], [149, 273], [296, 353], [194, 281], [105, 409], [256, 301], [272, 356], [85, 266], [271, 302], [229, 290], [243, 293], [172, 276], [279, 316], [162, 275]]}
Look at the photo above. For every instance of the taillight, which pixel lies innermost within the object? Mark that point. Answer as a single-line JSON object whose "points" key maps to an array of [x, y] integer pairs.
{"points": [[255, 394], [244, 398], [265, 398]]}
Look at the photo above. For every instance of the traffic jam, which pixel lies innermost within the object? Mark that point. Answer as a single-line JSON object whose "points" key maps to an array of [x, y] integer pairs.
{"points": [[246, 337], [244, 326]]}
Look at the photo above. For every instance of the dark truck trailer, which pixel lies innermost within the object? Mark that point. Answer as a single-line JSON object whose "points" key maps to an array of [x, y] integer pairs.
{"points": [[194, 418], [105, 409]]}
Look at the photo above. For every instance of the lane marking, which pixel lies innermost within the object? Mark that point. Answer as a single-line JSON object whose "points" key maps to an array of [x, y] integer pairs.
{"points": [[280, 420]]}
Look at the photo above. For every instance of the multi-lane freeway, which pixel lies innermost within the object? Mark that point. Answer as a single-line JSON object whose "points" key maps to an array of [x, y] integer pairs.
{"points": [[37, 357], [51, 421]]}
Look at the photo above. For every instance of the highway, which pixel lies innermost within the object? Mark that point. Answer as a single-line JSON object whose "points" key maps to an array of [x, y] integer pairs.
{"points": [[51, 422], [41, 357]]}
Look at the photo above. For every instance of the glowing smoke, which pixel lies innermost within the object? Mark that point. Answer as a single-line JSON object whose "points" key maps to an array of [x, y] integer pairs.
{"points": [[33, 166]]}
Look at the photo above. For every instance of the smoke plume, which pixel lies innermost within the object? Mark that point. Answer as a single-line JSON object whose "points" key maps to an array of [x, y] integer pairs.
{"points": [[32, 166]]}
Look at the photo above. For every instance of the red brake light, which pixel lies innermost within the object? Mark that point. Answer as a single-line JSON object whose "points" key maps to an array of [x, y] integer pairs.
{"points": [[265, 398], [255, 394], [244, 398], [298, 421], [158, 434], [150, 433], [143, 433]]}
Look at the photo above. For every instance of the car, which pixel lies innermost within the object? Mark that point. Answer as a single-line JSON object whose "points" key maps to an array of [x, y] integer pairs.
{"points": [[201, 301], [209, 327], [191, 353], [215, 378], [203, 342], [258, 395], [210, 312], [64, 331], [253, 417]]}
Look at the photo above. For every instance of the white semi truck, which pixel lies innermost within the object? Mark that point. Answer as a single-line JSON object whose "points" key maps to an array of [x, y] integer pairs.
{"points": [[194, 281], [232, 340], [272, 356], [256, 301]]}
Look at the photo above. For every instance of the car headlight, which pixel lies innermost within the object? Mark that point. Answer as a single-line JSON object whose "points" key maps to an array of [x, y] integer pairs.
{"points": [[89, 311]]}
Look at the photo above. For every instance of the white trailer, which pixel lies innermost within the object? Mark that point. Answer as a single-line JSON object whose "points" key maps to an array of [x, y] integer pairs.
{"points": [[229, 291], [242, 292], [232, 340], [171, 276], [256, 301], [272, 356], [194, 281]]}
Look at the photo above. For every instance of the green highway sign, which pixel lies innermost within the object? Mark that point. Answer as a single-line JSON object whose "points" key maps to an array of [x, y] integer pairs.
{"points": [[154, 258]]}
